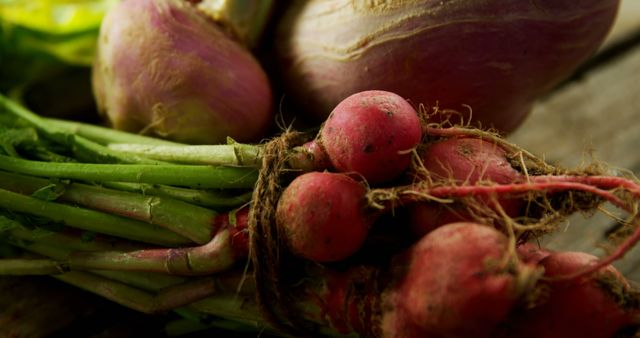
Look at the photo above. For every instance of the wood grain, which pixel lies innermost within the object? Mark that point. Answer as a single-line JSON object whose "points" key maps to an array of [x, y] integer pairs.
{"points": [[594, 117]]}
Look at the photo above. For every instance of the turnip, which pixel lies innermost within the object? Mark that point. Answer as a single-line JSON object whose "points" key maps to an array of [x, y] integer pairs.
{"points": [[324, 216], [164, 69], [458, 161], [371, 133], [595, 306], [494, 56]]}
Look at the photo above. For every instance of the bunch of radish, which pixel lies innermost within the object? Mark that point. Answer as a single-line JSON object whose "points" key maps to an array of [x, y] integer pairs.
{"points": [[466, 199], [385, 225]]}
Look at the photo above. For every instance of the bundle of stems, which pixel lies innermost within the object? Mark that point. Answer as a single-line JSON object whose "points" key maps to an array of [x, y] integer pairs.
{"points": [[67, 188]]}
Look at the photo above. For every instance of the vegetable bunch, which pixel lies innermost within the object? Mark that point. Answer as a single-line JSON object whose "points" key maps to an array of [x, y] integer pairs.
{"points": [[332, 225]]}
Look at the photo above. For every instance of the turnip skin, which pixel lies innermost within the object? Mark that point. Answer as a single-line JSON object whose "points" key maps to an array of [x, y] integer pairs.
{"points": [[496, 56], [162, 68], [371, 133]]}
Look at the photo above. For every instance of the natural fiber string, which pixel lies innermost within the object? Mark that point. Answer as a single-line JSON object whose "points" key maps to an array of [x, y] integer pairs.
{"points": [[267, 242]]}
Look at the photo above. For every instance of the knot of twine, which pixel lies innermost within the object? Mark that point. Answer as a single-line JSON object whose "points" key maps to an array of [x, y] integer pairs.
{"points": [[267, 240]]}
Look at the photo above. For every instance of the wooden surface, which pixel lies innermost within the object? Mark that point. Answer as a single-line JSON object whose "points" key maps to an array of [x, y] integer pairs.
{"points": [[597, 113]]}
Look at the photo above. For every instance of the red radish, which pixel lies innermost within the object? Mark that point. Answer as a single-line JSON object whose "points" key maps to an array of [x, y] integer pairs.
{"points": [[593, 306], [163, 68], [456, 283], [309, 157], [372, 133], [323, 216], [462, 161], [496, 56], [531, 253]]}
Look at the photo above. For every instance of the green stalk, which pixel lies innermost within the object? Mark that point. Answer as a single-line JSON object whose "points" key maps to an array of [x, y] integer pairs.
{"points": [[83, 148], [195, 176], [214, 199], [26, 266], [146, 292], [220, 154], [90, 220], [104, 135], [59, 248], [186, 219], [183, 326], [213, 257], [141, 300], [70, 240]]}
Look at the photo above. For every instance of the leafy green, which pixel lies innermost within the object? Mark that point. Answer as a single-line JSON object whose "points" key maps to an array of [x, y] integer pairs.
{"points": [[42, 39], [66, 29]]}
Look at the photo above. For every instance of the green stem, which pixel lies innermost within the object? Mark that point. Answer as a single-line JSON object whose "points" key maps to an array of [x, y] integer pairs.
{"points": [[183, 326], [214, 199], [129, 287], [221, 154], [186, 219], [141, 300], [90, 220], [70, 240], [83, 148], [27, 266], [195, 176], [104, 135], [60, 249], [213, 257]]}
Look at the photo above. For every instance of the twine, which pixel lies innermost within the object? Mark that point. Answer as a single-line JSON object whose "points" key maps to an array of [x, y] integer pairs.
{"points": [[267, 249]]}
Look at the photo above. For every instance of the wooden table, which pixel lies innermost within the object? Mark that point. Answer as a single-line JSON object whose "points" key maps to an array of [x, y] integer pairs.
{"points": [[597, 111]]}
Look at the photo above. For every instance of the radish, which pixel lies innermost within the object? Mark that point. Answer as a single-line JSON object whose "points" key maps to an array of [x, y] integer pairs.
{"points": [[323, 216], [457, 282], [531, 253], [309, 157], [594, 306], [371, 133], [164, 69], [460, 161], [495, 56]]}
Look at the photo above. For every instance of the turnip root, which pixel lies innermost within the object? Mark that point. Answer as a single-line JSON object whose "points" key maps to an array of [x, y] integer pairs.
{"points": [[372, 133], [164, 69], [495, 56], [594, 306], [323, 216], [458, 161]]}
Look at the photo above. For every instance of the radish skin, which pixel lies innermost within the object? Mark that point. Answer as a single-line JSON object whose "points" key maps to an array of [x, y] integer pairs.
{"points": [[594, 306], [323, 216], [371, 133], [453, 285], [461, 161]]}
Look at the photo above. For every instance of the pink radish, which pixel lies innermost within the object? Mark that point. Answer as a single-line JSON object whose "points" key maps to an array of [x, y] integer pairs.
{"points": [[462, 161], [455, 284], [594, 306], [323, 216], [372, 133]]}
